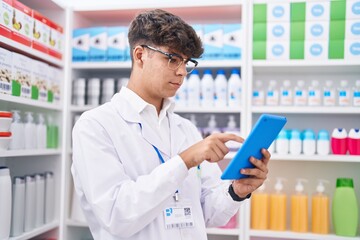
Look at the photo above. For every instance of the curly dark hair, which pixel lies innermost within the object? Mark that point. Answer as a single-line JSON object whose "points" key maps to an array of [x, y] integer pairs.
{"points": [[160, 28]]}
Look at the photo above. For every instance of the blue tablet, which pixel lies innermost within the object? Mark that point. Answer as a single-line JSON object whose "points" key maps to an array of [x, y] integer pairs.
{"points": [[262, 135]]}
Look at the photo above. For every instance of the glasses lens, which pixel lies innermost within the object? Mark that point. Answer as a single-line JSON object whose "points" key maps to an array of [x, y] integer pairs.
{"points": [[174, 62], [190, 66]]}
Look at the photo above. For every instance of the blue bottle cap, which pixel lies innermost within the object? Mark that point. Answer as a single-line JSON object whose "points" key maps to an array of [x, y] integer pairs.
{"points": [[207, 71], [235, 71], [295, 134], [309, 134], [195, 72], [220, 71], [323, 135], [282, 135]]}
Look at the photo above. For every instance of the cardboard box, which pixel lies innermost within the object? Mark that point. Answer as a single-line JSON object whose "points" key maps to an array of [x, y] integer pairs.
{"points": [[278, 31], [56, 39], [318, 11], [213, 42], [317, 30], [277, 50], [6, 13], [116, 43], [98, 44], [21, 75], [352, 30], [54, 85], [22, 23], [352, 9], [5, 71], [352, 50], [316, 50], [233, 40], [40, 32], [278, 12], [80, 45], [39, 81]]}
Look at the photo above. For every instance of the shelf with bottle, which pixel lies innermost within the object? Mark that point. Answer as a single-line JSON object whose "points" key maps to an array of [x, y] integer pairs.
{"points": [[36, 232], [207, 109], [292, 235], [30, 102], [30, 152], [306, 63], [223, 231], [306, 109]]}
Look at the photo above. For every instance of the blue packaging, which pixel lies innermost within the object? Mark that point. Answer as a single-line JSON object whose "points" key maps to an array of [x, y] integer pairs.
{"points": [[232, 41], [80, 45], [213, 42], [98, 44], [127, 48], [116, 43]]}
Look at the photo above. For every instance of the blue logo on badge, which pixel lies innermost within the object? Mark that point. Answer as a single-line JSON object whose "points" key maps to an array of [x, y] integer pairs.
{"points": [[278, 50], [316, 49], [356, 8], [168, 212], [355, 49], [278, 11], [278, 31], [317, 30], [355, 28], [317, 10]]}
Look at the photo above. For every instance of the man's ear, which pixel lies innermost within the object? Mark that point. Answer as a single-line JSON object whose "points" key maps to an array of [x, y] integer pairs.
{"points": [[138, 54]]}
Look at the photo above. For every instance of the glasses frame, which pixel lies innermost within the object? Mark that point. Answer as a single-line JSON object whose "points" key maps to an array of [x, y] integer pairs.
{"points": [[171, 55]]}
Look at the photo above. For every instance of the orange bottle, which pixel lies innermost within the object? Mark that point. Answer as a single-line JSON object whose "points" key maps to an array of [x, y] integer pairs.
{"points": [[278, 208], [260, 209], [299, 209], [320, 210]]}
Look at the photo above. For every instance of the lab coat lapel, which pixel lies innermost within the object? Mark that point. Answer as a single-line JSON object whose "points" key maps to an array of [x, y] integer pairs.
{"points": [[177, 135], [151, 137]]}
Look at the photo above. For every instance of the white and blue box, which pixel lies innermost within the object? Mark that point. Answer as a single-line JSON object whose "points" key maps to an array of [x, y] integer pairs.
{"points": [[80, 45], [116, 43], [98, 44], [232, 40], [213, 42]]}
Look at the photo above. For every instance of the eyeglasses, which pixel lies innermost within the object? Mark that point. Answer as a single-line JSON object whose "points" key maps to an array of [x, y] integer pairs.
{"points": [[176, 60]]}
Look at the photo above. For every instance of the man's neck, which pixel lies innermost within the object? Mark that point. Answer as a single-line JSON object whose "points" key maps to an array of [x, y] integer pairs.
{"points": [[157, 103]]}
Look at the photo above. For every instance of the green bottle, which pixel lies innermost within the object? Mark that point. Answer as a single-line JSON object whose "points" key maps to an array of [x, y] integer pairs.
{"points": [[345, 209]]}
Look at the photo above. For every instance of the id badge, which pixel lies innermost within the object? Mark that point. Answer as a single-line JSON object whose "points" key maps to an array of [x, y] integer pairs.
{"points": [[179, 215]]}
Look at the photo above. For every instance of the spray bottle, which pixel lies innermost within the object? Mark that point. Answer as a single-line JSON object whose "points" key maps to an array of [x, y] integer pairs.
{"points": [[278, 207], [320, 209], [260, 209], [299, 208]]}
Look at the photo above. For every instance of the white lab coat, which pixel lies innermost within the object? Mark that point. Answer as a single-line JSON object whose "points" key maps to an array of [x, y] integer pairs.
{"points": [[124, 189]]}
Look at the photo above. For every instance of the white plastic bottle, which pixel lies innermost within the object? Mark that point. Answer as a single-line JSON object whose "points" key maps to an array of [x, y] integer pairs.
{"points": [[234, 89], [309, 143], [272, 94], [30, 131], [49, 197], [258, 96], [40, 199], [79, 87], [5, 202], [231, 128], [211, 127], [300, 96], [295, 142], [329, 94], [93, 92], [344, 93], [220, 89], [193, 87], [282, 143], [207, 90], [107, 89], [29, 216], [18, 208], [299, 208], [181, 94], [286, 96], [41, 132], [323, 143], [17, 132], [314, 98], [356, 94]]}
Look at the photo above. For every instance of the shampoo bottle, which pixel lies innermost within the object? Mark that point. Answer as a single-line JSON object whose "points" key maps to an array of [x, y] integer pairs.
{"points": [[282, 143], [49, 197], [41, 132], [320, 210], [345, 209], [356, 94], [193, 88], [272, 94], [314, 98], [18, 209], [220, 89], [5, 203], [258, 98], [286, 97], [309, 143], [299, 208], [278, 207], [207, 90], [17, 132], [323, 143], [260, 209], [354, 141], [234, 89], [344, 93], [30, 131], [295, 142], [300, 96], [339, 141], [30, 205], [329, 94], [40, 199]]}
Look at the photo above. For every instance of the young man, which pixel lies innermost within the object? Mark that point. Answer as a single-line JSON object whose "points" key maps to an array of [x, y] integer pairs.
{"points": [[142, 171]]}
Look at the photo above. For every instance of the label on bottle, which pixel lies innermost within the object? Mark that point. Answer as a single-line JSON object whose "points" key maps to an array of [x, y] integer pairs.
{"points": [[344, 98], [272, 98], [356, 98], [300, 98], [258, 98], [329, 97], [314, 97]]}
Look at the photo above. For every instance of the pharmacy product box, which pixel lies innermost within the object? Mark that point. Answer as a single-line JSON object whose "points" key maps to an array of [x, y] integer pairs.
{"points": [[199, 30], [54, 84], [116, 43], [352, 30], [213, 42], [5, 71], [80, 45], [278, 31], [39, 81], [352, 49], [353, 9], [318, 11], [277, 50], [21, 75], [98, 44], [278, 12], [41, 32], [56, 40], [232, 39], [316, 50], [6, 14], [317, 30], [259, 50], [22, 23]]}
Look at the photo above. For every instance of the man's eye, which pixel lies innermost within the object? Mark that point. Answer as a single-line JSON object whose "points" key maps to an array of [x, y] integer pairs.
{"points": [[174, 60]]}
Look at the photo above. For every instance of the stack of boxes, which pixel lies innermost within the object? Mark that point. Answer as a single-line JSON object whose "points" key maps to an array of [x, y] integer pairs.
{"points": [[352, 33]]}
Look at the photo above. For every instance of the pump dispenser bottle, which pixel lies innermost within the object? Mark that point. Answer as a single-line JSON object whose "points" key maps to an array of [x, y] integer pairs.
{"points": [[320, 209], [329, 94], [286, 97], [212, 126], [258, 98], [260, 209], [300, 96], [17, 132], [278, 207], [272, 94], [344, 93], [356, 94], [299, 208], [231, 128]]}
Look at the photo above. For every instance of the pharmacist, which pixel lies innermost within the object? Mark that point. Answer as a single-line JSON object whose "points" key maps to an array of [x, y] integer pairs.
{"points": [[143, 172]]}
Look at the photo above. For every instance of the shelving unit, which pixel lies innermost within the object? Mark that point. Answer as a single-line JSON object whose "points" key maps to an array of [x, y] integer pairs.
{"points": [[36, 232]]}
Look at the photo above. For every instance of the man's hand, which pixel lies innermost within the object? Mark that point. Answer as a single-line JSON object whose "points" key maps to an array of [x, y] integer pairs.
{"points": [[257, 175], [212, 149]]}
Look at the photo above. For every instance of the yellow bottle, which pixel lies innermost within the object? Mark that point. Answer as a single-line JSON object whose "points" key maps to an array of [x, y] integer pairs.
{"points": [[278, 208], [260, 209], [320, 210], [299, 209]]}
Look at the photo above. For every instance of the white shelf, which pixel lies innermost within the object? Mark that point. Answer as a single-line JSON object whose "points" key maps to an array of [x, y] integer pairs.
{"points": [[30, 102], [28, 51], [81, 108], [223, 231], [306, 110], [73, 223], [30, 152], [304, 63], [302, 236], [37, 231], [206, 110], [317, 158]]}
